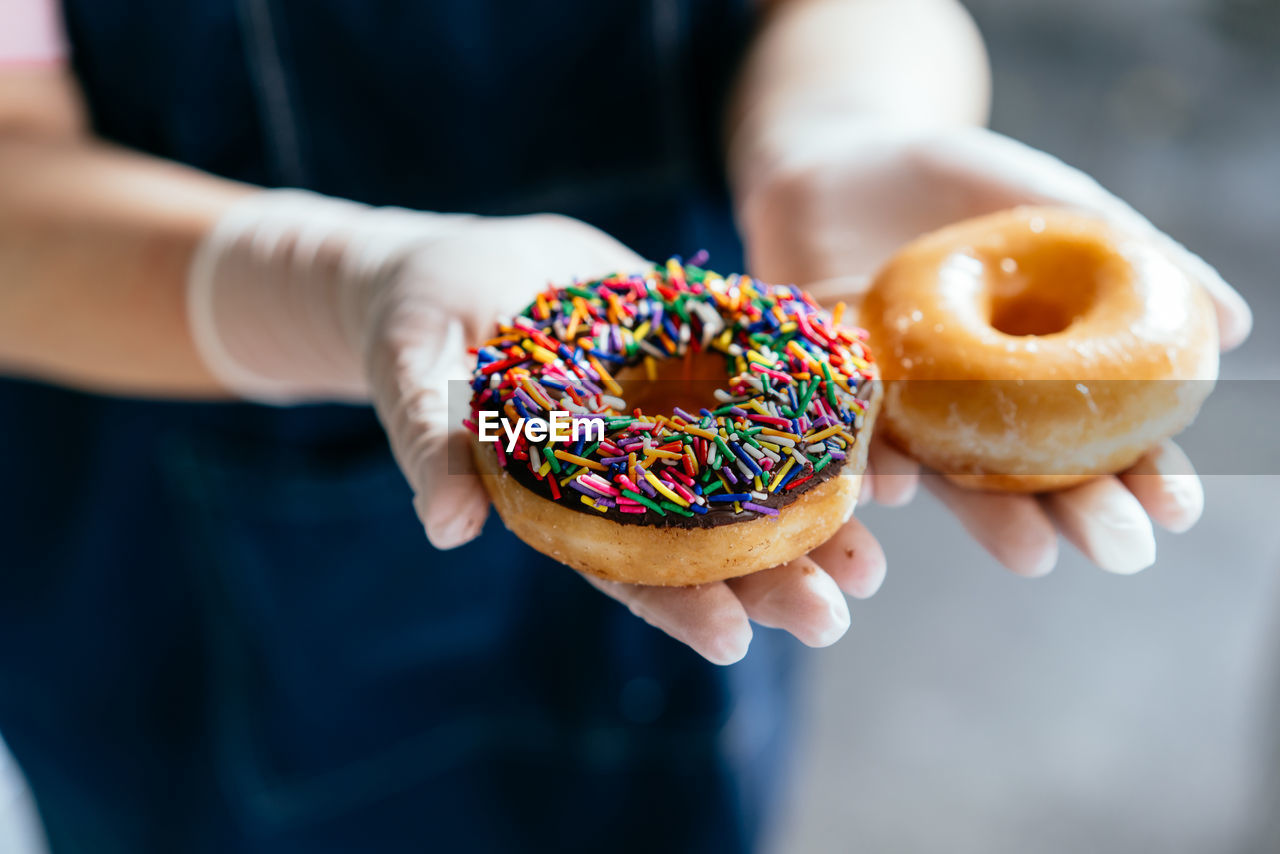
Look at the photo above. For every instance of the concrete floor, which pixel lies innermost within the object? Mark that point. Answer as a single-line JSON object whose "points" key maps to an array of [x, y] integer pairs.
{"points": [[971, 711]]}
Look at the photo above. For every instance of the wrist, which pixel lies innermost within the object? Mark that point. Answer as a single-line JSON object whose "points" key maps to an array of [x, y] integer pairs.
{"points": [[280, 292]]}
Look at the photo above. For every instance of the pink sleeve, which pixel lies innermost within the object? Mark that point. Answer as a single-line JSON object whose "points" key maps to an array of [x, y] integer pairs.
{"points": [[31, 32]]}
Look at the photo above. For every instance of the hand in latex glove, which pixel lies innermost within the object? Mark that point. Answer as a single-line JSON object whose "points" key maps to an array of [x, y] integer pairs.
{"points": [[297, 297], [824, 202]]}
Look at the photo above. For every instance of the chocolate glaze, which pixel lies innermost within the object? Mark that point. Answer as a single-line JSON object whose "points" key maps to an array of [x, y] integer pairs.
{"points": [[716, 515]]}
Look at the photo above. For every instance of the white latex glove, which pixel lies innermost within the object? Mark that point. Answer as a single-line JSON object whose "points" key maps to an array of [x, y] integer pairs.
{"points": [[823, 201], [296, 297]]}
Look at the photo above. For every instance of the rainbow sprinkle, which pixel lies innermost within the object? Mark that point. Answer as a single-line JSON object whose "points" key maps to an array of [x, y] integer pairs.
{"points": [[795, 393]]}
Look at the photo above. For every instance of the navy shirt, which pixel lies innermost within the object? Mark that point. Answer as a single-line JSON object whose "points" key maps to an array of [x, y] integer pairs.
{"points": [[221, 626]]}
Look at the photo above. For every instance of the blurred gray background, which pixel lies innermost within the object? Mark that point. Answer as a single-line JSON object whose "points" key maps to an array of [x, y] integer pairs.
{"points": [[971, 711]]}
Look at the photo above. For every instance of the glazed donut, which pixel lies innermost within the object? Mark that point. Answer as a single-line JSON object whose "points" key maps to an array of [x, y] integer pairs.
{"points": [[1037, 348], [649, 492]]}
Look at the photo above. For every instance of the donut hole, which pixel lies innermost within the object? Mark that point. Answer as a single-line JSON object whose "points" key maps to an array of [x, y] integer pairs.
{"points": [[1046, 288], [688, 382], [1029, 315]]}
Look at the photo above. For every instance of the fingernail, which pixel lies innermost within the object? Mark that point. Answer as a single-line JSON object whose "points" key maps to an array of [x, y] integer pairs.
{"points": [[1030, 553], [1044, 565], [1123, 548], [908, 492], [1235, 323], [1185, 492], [454, 532], [726, 649], [835, 626], [822, 629], [865, 582]]}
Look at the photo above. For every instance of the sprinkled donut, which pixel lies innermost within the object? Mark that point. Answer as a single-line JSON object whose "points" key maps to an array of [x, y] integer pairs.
{"points": [[659, 488], [1037, 348]]}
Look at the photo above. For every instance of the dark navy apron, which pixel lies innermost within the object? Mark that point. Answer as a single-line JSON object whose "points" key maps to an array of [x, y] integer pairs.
{"points": [[221, 627]]}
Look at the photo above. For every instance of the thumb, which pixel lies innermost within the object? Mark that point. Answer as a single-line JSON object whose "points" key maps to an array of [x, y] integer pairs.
{"points": [[1020, 174], [411, 394], [452, 502]]}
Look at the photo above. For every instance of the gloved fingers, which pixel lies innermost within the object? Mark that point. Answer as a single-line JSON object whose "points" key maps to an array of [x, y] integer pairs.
{"points": [[1014, 528], [997, 172], [450, 498], [1106, 523], [1016, 174], [709, 619], [1235, 318], [797, 597], [451, 502], [566, 249], [495, 265], [1166, 485], [609, 254], [895, 476], [411, 395], [854, 558]]}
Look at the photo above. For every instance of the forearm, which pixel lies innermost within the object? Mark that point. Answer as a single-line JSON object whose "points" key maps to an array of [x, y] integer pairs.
{"points": [[914, 61], [95, 243]]}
